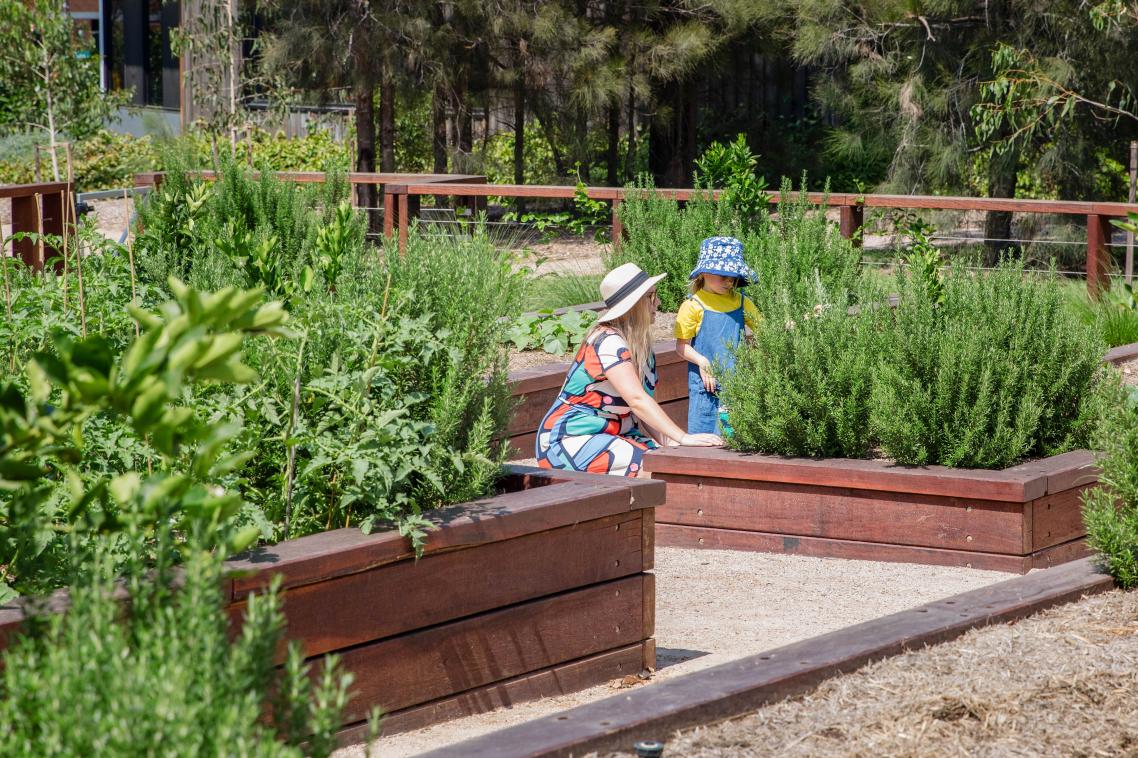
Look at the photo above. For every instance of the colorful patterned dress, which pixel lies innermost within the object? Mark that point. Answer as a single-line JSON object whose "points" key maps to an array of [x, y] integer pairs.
{"points": [[590, 427]]}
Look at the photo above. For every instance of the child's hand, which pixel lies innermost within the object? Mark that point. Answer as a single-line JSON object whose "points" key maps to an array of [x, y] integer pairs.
{"points": [[708, 378]]}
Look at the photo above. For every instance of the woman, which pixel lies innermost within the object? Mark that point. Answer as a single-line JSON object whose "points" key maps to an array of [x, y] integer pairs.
{"points": [[605, 419]]}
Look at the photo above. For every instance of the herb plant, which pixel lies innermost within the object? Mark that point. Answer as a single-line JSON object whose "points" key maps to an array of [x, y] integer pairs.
{"points": [[555, 334]]}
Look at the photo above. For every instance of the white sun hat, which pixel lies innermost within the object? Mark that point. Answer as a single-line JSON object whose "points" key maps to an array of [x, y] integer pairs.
{"points": [[622, 288]]}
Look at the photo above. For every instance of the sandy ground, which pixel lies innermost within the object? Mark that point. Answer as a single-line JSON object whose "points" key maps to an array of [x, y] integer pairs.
{"points": [[714, 605], [1062, 683]]}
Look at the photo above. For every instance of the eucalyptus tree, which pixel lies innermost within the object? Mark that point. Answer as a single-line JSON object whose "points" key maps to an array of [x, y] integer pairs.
{"points": [[49, 76], [902, 79]]}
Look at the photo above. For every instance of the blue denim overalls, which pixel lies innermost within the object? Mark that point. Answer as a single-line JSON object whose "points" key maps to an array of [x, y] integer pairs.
{"points": [[716, 339]]}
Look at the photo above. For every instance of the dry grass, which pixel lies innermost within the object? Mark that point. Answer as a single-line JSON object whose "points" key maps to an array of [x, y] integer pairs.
{"points": [[1063, 683]]}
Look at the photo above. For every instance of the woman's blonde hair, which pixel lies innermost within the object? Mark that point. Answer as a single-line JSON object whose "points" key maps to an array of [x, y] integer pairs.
{"points": [[636, 328]]}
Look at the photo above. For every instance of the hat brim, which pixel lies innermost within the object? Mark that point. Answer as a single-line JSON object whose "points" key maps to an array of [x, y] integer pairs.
{"points": [[625, 304], [748, 275]]}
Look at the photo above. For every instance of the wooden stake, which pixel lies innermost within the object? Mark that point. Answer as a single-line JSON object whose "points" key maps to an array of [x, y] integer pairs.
{"points": [[39, 230], [1129, 273], [130, 257], [8, 308], [68, 202]]}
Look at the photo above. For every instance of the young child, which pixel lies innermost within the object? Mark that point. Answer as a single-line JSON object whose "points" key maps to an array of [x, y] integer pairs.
{"points": [[710, 323]]}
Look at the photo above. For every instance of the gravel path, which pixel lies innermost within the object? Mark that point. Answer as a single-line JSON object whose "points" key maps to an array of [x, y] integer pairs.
{"points": [[715, 605], [1062, 683]]}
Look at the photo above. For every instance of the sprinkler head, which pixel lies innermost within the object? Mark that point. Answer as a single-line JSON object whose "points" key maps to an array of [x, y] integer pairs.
{"points": [[649, 749]]}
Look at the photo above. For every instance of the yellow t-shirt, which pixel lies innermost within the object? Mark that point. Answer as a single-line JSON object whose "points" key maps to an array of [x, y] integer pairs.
{"points": [[690, 315]]}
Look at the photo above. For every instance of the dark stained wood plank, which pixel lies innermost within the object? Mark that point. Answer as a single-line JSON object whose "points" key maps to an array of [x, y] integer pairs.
{"points": [[426, 665], [345, 551], [549, 682], [1008, 485], [845, 514], [1058, 518], [371, 605], [1122, 354], [552, 374], [672, 535], [648, 538], [30, 190], [643, 492], [744, 685], [1058, 554]]}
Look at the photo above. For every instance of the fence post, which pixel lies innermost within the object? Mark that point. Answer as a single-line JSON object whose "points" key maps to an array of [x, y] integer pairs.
{"points": [[849, 222], [389, 211], [1098, 255], [404, 219], [617, 226]]}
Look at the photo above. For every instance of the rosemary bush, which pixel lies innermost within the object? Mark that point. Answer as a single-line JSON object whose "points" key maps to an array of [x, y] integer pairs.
{"points": [[982, 372], [1111, 510], [802, 386], [160, 675], [995, 373], [798, 254]]}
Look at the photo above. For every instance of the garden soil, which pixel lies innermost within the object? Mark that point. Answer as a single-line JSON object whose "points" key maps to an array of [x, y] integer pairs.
{"points": [[1062, 683], [713, 606]]}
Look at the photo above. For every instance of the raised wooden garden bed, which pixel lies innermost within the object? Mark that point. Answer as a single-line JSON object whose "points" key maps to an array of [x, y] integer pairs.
{"points": [[1028, 516], [540, 590], [534, 389]]}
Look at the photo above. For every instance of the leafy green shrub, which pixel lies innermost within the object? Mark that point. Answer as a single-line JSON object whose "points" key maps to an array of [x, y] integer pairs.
{"points": [[731, 167], [555, 334], [662, 238], [558, 290], [994, 373], [1111, 510], [803, 385], [49, 491], [798, 254], [163, 677]]}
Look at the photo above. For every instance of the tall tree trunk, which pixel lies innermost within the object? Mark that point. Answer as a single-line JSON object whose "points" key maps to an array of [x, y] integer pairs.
{"points": [[998, 224], [439, 128], [611, 157], [520, 134], [366, 196], [688, 131], [630, 156], [387, 122]]}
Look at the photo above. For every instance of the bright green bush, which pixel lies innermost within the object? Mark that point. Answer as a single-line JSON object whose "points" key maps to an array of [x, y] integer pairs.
{"points": [[996, 372], [662, 238], [1111, 510], [802, 386], [160, 676], [797, 254]]}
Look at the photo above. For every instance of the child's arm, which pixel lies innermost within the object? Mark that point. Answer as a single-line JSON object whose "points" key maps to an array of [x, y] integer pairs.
{"points": [[691, 355]]}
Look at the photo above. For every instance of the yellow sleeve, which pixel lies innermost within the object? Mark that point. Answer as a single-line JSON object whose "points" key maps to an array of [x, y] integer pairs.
{"points": [[688, 319], [751, 315]]}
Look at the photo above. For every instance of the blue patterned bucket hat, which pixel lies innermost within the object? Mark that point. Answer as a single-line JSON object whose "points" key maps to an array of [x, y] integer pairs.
{"points": [[723, 256]]}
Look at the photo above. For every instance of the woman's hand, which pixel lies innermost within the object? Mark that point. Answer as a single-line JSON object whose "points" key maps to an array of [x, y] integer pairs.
{"points": [[708, 378], [701, 440]]}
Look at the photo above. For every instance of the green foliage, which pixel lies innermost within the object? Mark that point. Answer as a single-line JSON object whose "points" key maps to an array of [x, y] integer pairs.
{"points": [[923, 258], [1113, 315], [797, 253], [49, 77], [555, 334], [996, 372], [49, 492], [986, 373], [802, 386], [731, 167], [160, 675], [1111, 510]]}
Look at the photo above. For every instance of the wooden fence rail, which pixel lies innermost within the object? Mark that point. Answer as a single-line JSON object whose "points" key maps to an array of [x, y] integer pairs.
{"points": [[402, 193], [38, 209]]}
